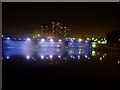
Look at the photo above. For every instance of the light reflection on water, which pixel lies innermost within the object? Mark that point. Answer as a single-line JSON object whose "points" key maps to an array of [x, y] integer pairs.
{"points": [[57, 54], [51, 53]]}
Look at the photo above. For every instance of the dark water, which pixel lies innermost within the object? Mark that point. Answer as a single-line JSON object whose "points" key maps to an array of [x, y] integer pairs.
{"points": [[59, 67]]}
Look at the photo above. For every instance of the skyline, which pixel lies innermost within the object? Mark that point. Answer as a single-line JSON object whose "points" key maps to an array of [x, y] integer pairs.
{"points": [[85, 19]]}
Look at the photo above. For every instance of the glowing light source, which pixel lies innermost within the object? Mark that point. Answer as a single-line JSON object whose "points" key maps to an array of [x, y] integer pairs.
{"points": [[51, 40], [71, 56], [103, 56], [118, 61], [86, 56], [100, 58], [59, 56], [60, 40], [93, 45], [7, 57], [38, 35], [79, 52], [80, 39], [93, 52], [86, 41], [28, 57], [51, 56], [78, 56], [8, 38], [93, 38], [42, 57], [42, 39], [73, 38], [28, 39]]}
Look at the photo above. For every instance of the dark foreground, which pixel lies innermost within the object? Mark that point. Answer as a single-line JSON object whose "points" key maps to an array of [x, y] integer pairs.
{"points": [[19, 73]]}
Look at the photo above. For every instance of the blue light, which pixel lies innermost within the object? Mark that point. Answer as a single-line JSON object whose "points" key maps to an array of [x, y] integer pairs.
{"points": [[71, 56], [7, 57], [78, 56]]}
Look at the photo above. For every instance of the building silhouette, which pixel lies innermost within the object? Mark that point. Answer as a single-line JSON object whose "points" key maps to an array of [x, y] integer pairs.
{"points": [[113, 38]]}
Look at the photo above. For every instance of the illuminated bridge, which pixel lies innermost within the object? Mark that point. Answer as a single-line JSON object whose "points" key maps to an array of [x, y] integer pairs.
{"points": [[29, 43]]}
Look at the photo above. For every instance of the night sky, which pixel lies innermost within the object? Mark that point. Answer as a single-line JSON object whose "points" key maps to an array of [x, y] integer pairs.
{"points": [[85, 19]]}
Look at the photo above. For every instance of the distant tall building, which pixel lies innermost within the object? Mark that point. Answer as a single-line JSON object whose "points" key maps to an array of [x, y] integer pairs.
{"points": [[113, 38], [55, 31]]}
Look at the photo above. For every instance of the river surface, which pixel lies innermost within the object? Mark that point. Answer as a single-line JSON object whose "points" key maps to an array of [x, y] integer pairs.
{"points": [[70, 67]]}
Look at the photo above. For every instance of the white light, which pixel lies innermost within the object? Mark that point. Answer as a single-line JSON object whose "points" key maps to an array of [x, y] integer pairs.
{"points": [[60, 40], [80, 40], [51, 56], [93, 52], [93, 38], [93, 45], [42, 57], [28, 39], [57, 45], [7, 57], [42, 39], [8, 38], [100, 58], [86, 56], [79, 52], [118, 61], [2, 36], [86, 41], [51, 40], [73, 38], [38, 35], [28, 57], [59, 56]]}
